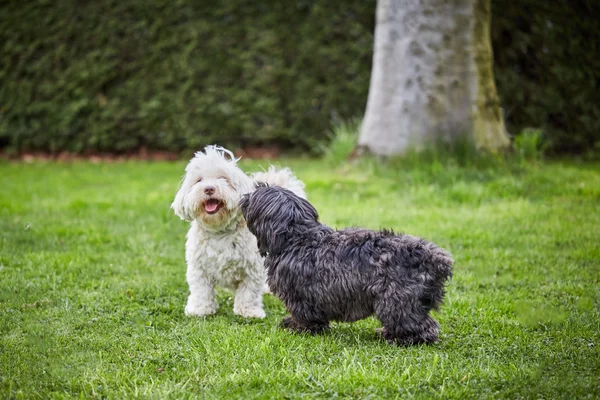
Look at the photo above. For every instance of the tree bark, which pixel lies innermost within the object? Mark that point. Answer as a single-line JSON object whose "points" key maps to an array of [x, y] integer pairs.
{"points": [[432, 77]]}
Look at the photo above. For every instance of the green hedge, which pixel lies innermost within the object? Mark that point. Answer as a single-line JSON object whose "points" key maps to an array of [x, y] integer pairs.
{"points": [[115, 75], [547, 68], [111, 75]]}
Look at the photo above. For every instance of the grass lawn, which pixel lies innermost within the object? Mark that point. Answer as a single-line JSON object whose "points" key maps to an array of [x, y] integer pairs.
{"points": [[92, 287]]}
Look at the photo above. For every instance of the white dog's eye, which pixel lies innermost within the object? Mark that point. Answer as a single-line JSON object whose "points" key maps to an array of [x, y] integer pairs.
{"points": [[199, 180], [226, 180]]}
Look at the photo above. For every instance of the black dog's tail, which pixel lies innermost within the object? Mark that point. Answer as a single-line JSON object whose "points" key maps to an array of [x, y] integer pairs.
{"points": [[441, 261], [416, 253], [423, 259]]}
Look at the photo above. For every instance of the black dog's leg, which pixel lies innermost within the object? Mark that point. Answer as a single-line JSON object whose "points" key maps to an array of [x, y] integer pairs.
{"points": [[405, 321], [297, 325], [427, 334], [304, 318]]}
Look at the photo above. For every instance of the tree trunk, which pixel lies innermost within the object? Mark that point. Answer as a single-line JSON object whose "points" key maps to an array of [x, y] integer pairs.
{"points": [[432, 77]]}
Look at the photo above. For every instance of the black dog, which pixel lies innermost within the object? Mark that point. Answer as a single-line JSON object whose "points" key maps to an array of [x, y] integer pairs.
{"points": [[322, 274]]}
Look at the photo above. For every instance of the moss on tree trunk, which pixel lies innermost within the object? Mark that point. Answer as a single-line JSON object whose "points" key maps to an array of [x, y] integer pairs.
{"points": [[488, 125]]}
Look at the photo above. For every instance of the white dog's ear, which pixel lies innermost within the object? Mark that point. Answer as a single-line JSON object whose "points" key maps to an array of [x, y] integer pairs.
{"points": [[243, 184], [178, 204]]}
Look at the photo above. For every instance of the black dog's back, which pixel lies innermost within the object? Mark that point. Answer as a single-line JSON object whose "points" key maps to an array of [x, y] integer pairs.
{"points": [[395, 250], [398, 257]]}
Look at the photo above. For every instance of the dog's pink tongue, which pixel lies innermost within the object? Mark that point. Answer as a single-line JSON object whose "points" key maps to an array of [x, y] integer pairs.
{"points": [[211, 206]]}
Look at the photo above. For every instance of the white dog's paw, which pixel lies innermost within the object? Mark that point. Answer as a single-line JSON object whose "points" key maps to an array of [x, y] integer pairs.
{"points": [[200, 310], [249, 312]]}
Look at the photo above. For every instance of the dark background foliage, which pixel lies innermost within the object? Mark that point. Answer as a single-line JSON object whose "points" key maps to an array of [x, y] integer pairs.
{"points": [[547, 69], [117, 76]]}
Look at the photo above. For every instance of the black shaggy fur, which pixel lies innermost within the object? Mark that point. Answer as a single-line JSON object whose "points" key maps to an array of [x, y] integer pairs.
{"points": [[322, 274]]}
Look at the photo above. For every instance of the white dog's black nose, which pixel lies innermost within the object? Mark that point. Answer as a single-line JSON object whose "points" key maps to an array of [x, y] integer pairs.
{"points": [[209, 190]]}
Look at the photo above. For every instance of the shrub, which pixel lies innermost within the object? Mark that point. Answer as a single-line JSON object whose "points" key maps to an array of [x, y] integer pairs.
{"points": [[110, 75], [546, 68], [530, 145]]}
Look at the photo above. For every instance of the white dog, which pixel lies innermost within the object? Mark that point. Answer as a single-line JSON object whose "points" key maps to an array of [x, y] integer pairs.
{"points": [[220, 251]]}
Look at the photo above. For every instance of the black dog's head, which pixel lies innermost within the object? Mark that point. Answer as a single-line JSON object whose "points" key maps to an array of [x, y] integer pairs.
{"points": [[272, 215]]}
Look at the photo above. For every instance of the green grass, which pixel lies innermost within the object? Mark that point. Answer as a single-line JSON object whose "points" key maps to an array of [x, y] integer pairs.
{"points": [[92, 287]]}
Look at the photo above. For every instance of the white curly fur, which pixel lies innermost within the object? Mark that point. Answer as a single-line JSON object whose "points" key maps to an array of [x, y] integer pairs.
{"points": [[220, 251]]}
